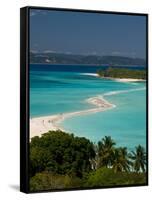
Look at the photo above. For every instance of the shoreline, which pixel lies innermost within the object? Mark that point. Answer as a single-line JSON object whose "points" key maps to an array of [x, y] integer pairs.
{"points": [[40, 125], [127, 80], [124, 80]]}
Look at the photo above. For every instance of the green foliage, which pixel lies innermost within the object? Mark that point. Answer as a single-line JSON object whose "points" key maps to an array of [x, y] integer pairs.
{"points": [[60, 153], [122, 73], [59, 160], [107, 177], [121, 161], [105, 151], [107, 155], [139, 158], [50, 181]]}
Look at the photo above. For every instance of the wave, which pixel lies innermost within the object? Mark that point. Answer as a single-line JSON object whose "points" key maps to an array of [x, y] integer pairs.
{"points": [[122, 91], [89, 74]]}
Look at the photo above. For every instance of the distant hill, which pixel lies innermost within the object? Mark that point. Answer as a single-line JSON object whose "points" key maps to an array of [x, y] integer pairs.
{"points": [[60, 58]]}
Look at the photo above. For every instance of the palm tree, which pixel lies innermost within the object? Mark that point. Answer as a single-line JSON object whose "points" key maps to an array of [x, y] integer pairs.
{"points": [[105, 152], [139, 158], [121, 161], [94, 161]]}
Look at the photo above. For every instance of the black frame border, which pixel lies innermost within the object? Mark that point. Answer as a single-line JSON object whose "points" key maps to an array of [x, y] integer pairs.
{"points": [[25, 98]]}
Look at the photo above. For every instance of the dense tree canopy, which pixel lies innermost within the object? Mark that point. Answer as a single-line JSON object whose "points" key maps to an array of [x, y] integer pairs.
{"points": [[114, 72], [60, 153], [59, 160]]}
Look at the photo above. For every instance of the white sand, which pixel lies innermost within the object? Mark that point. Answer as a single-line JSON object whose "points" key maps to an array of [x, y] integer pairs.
{"points": [[125, 80], [41, 125], [128, 80]]}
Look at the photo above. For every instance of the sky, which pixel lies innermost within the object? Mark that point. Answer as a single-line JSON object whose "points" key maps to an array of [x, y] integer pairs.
{"points": [[87, 33]]}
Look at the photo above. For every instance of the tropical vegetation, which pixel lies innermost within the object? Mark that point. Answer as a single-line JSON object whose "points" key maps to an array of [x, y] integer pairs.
{"points": [[114, 72], [59, 160]]}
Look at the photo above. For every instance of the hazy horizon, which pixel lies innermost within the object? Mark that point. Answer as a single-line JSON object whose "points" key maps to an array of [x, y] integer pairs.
{"points": [[82, 33]]}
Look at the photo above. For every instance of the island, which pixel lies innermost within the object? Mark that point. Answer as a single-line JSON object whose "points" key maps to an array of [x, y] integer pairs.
{"points": [[123, 74]]}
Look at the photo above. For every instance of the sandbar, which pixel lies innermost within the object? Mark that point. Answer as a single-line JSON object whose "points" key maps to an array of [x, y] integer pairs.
{"points": [[40, 125]]}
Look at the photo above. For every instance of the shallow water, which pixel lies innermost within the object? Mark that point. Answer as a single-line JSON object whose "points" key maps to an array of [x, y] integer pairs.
{"points": [[60, 89]]}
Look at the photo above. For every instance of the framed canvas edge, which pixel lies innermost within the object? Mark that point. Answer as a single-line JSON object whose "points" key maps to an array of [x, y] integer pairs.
{"points": [[24, 97], [24, 101]]}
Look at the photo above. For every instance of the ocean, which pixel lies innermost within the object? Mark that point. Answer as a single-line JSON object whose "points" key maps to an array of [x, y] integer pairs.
{"points": [[58, 89]]}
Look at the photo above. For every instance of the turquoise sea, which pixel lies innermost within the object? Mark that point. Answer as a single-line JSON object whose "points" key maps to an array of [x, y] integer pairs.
{"points": [[58, 89]]}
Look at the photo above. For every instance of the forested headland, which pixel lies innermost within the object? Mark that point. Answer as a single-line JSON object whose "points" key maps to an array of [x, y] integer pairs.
{"points": [[113, 72]]}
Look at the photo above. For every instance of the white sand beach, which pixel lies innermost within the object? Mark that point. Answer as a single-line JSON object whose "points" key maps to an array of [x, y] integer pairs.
{"points": [[128, 80], [125, 80], [116, 79], [40, 125]]}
